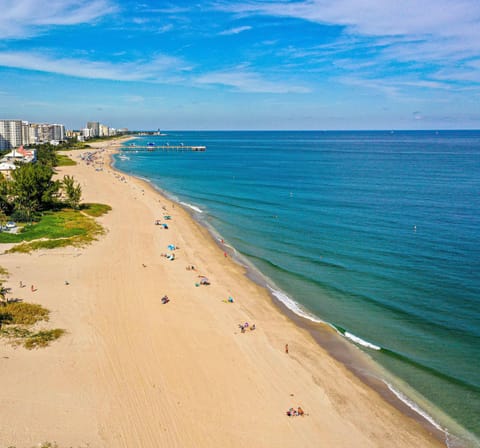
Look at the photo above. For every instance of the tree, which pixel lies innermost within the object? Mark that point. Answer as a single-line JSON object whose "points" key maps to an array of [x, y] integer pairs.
{"points": [[73, 192], [33, 188], [5, 199], [46, 155], [3, 219]]}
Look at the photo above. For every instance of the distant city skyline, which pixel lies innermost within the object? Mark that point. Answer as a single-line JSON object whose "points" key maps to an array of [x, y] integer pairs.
{"points": [[242, 64]]}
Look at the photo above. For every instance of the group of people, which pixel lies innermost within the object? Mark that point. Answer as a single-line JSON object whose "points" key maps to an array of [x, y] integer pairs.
{"points": [[292, 412], [243, 327], [165, 299], [159, 223], [204, 280]]}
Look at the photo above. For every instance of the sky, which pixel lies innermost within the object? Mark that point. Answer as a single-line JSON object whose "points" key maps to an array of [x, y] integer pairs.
{"points": [[242, 64]]}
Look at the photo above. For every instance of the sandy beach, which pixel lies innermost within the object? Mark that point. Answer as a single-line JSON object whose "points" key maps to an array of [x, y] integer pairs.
{"points": [[134, 372]]}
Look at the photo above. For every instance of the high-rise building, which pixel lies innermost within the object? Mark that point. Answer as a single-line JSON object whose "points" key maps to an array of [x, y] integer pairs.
{"points": [[103, 130], [25, 133], [87, 132], [95, 128], [10, 134], [58, 132]]}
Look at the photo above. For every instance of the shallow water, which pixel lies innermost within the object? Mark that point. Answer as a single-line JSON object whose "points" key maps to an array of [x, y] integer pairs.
{"points": [[376, 233]]}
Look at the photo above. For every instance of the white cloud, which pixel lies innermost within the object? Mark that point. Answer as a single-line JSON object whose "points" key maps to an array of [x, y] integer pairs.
{"points": [[374, 18], [247, 81], [427, 29], [24, 18], [237, 30], [158, 69]]}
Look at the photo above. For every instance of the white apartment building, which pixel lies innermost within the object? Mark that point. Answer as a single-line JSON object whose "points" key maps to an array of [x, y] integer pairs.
{"points": [[103, 129], [10, 134], [25, 133], [43, 133], [94, 127], [58, 131], [14, 133]]}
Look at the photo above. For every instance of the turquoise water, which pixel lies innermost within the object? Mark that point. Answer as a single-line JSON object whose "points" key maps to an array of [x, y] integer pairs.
{"points": [[377, 233]]}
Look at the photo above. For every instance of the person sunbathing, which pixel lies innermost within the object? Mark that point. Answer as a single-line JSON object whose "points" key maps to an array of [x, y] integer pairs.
{"points": [[300, 411]]}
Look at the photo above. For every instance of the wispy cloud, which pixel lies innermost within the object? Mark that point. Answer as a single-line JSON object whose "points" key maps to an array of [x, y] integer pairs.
{"points": [[437, 32], [158, 69], [244, 80], [237, 30], [374, 18], [24, 18]]}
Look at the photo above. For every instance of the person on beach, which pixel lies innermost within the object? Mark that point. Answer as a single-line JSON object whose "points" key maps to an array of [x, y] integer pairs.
{"points": [[286, 349], [32, 288], [300, 412]]}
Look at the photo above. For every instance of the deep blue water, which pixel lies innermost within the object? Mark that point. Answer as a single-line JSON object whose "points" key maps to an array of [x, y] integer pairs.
{"points": [[377, 233]]}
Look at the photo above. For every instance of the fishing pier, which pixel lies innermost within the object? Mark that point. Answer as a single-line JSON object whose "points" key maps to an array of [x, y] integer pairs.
{"points": [[152, 148]]}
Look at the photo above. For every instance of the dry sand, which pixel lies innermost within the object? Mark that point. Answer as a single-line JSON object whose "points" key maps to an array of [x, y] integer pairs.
{"points": [[132, 372]]}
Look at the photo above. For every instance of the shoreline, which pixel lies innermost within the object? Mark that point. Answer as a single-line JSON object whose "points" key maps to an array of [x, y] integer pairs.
{"points": [[325, 334], [338, 346], [134, 372]]}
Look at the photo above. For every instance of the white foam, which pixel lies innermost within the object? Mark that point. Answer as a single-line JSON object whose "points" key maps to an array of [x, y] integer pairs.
{"points": [[360, 341], [193, 207], [293, 306], [414, 407]]}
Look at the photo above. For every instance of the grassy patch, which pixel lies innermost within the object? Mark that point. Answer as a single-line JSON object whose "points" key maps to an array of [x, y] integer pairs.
{"points": [[55, 229], [95, 210], [16, 318], [64, 160], [30, 339], [42, 338], [22, 313]]}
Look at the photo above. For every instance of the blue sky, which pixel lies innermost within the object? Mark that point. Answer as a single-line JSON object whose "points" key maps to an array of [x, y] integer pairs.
{"points": [[242, 64]]}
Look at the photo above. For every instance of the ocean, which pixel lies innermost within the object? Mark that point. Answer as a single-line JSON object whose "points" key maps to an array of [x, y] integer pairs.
{"points": [[375, 233]]}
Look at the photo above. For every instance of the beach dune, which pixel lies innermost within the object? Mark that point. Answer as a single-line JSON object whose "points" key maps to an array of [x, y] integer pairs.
{"points": [[134, 372]]}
